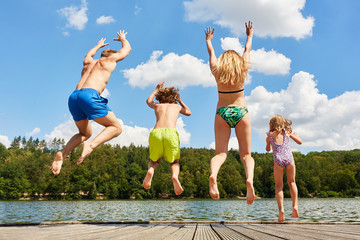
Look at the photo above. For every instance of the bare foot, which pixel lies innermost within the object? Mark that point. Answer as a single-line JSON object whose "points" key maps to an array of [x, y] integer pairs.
{"points": [[250, 193], [281, 217], [85, 152], [148, 179], [214, 192], [177, 186], [57, 163], [295, 213]]}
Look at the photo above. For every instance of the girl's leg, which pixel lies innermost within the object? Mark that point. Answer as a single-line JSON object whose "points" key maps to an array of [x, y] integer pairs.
{"points": [[278, 176], [243, 134], [222, 136], [150, 173], [85, 133], [175, 169], [290, 173]]}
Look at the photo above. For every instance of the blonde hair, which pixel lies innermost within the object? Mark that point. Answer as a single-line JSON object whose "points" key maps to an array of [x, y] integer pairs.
{"points": [[278, 122], [167, 95], [107, 52], [230, 66]]}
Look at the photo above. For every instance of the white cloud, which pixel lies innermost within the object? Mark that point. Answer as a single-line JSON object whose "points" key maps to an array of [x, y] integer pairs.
{"points": [[233, 144], [180, 71], [266, 62], [33, 132], [105, 20], [5, 141], [276, 18], [322, 123], [139, 136], [66, 34], [137, 10], [76, 16]]}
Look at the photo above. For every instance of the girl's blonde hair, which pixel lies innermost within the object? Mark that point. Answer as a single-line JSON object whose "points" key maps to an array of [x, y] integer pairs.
{"points": [[278, 123], [230, 66], [167, 95]]}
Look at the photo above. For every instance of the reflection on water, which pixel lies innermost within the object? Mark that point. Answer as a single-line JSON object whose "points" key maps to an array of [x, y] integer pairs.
{"points": [[310, 210]]}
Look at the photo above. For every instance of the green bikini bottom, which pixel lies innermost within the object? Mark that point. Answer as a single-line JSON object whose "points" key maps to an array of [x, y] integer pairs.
{"points": [[232, 114]]}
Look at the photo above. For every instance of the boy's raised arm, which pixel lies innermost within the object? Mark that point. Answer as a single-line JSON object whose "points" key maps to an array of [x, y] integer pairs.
{"points": [[184, 109], [150, 101], [89, 56], [126, 48]]}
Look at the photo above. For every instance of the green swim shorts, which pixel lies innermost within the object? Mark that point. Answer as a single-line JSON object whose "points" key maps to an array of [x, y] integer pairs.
{"points": [[164, 143]]}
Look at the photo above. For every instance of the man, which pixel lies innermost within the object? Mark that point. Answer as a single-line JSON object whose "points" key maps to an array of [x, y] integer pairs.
{"points": [[85, 103]]}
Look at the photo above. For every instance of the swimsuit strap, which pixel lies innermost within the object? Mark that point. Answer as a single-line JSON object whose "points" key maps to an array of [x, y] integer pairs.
{"points": [[232, 91]]}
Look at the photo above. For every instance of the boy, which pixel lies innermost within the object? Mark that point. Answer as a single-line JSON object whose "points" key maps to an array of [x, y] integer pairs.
{"points": [[164, 139]]}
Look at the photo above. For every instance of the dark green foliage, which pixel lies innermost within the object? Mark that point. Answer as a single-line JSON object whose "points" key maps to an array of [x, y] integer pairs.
{"points": [[114, 172]]}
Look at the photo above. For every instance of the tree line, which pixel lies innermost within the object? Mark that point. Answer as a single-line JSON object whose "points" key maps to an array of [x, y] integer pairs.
{"points": [[115, 172]]}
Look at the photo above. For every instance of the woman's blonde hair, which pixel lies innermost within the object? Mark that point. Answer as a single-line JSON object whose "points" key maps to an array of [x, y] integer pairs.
{"points": [[230, 66], [167, 95], [278, 123]]}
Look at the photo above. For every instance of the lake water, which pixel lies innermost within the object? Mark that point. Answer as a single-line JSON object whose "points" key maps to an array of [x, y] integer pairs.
{"points": [[310, 210]]}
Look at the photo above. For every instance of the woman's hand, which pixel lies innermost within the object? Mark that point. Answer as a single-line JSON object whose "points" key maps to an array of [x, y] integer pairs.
{"points": [[209, 34], [249, 28]]}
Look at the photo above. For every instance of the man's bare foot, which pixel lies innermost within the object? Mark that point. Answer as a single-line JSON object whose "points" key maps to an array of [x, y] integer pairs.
{"points": [[214, 192], [250, 192], [148, 179], [85, 152], [57, 163], [281, 216], [295, 213], [177, 186]]}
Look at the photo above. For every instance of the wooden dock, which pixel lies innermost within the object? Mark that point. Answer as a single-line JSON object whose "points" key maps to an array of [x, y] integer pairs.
{"points": [[179, 230]]}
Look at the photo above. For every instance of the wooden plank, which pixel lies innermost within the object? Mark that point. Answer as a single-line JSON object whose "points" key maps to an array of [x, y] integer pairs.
{"points": [[156, 232], [253, 233], [185, 232], [227, 233], [325, 234], [205, 232], [350, 229]]}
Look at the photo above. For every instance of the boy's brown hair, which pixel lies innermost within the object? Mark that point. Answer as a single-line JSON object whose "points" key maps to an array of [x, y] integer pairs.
{"points": [[168, 95], [107, 52]]}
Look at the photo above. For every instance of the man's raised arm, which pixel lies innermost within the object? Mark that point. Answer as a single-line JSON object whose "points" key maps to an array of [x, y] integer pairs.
{"points": [[89, 56], [126, 48]]}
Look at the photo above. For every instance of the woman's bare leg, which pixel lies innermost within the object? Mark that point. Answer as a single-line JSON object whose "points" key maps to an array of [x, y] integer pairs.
{"points": [[243, 134], [222, 136]]}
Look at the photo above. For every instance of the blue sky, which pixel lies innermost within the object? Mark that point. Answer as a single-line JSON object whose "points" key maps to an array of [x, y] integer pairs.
{"points": [[304, 66]]}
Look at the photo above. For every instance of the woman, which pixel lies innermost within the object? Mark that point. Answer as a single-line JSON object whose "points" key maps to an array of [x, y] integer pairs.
{"points": [[230, 71]]}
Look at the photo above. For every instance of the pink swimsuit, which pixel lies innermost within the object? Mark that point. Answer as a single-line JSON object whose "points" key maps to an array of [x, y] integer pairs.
{"points": [[282, 154]]}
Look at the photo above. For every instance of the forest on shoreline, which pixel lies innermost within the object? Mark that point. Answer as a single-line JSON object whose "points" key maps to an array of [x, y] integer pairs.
{"points": [[115, 172]]}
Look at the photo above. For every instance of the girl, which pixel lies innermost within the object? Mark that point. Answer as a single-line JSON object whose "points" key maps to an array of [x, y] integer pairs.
{"points": [[278, 138], [231, 112]]}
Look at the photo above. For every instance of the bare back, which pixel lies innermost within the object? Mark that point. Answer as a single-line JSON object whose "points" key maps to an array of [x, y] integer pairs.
{"points": [[166, 115], [99, 74], [230, 99]]}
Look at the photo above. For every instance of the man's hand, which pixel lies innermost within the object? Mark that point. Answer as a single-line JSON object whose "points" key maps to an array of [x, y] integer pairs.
{"points": [[209, 34], [160, 85], [102, 43], [249, 28], [121, 36]]}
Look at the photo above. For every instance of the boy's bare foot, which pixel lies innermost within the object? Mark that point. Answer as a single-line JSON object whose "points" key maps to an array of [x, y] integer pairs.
{"points": [[250, 192], [177, 186], [148, 179], [57, 163], [85, 152], [214, 192], [281, 216], [295, 213]]}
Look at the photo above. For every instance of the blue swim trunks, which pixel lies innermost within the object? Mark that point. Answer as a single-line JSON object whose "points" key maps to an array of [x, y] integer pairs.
{"points": [[86, 103]]}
